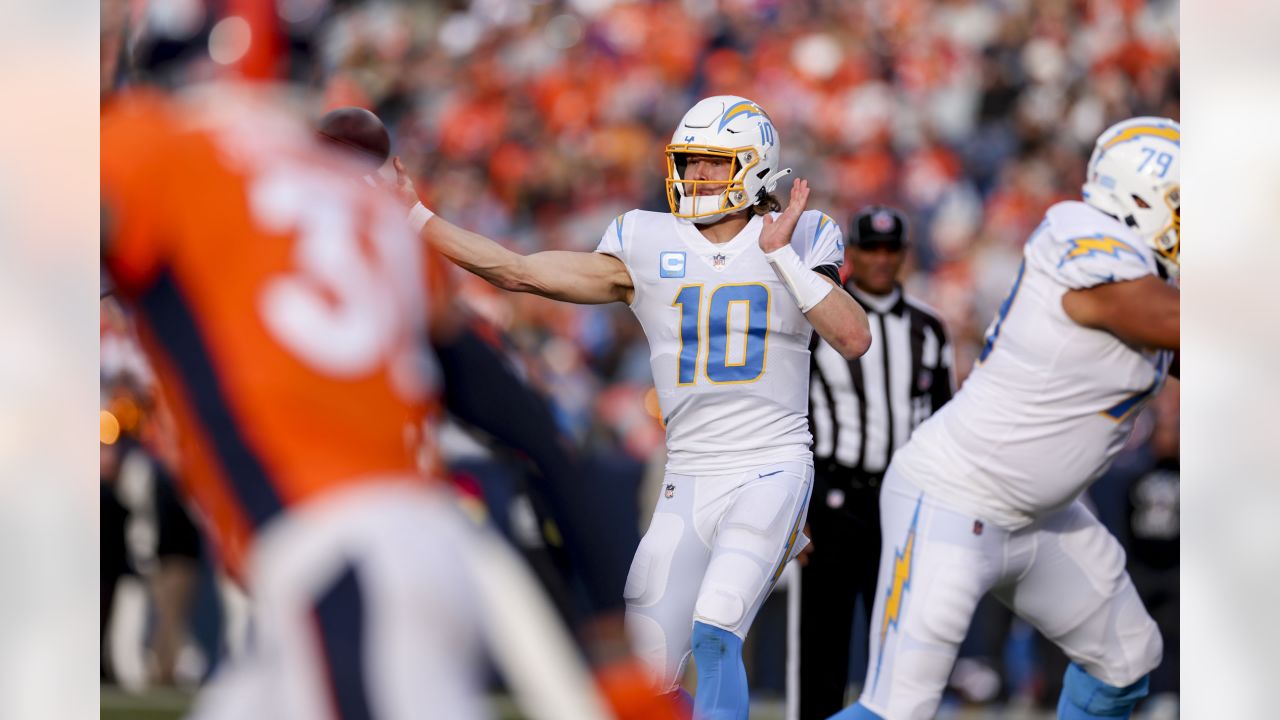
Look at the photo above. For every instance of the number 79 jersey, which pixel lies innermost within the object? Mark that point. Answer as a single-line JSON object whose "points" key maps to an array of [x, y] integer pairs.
{"points": [[1050, 402], [728, 346]]}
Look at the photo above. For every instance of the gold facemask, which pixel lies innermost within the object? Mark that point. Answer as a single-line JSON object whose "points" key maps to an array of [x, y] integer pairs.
{"points": [[732, 188], [1169, 240]]}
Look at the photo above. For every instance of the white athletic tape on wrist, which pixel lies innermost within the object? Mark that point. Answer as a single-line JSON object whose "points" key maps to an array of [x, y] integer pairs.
{"points": [[807, 287], [418, 217]]}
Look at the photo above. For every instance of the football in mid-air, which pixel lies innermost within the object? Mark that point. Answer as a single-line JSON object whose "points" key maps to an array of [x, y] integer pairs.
{"points": [[358, 130]]}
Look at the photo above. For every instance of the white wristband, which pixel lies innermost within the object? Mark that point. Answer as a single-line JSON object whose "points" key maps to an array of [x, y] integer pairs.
{"points": [[418, 217], [806, 286]]}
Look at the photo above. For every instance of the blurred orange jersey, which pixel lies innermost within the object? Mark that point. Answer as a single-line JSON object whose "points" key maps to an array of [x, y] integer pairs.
{"points": [[282, 301]]}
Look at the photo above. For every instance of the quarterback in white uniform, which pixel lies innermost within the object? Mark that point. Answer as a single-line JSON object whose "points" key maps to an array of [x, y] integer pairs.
{"points": [[984, 496], [728, 291]]}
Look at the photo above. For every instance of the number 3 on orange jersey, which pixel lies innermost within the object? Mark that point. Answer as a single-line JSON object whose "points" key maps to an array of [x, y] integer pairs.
{"points": [[344, 311]]}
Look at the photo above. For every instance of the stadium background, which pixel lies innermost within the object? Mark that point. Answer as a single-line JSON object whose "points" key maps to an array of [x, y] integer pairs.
{"points": [[538, 122]]}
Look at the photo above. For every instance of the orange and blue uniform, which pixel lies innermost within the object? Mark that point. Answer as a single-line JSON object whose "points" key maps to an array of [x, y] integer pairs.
{"points": [[287, 379]]}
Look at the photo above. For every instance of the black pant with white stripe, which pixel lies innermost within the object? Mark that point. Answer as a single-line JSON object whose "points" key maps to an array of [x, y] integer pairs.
{"points": [[844, 525]]}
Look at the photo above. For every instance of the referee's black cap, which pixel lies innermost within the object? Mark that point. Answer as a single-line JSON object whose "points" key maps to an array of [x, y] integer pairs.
{"points": [[879, 226]]}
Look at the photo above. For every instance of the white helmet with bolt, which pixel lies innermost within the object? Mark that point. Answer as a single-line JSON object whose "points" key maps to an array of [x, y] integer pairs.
{"points": [[1133, 175], [723, 126]]}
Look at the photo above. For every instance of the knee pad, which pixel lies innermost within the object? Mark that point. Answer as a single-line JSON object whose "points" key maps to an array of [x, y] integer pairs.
{"points": [[1139, 636], [1127, 647], [730, 588], [1085, 697], [752, 539]]}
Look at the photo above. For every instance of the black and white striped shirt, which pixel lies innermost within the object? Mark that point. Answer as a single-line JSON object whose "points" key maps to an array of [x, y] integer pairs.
{"points": [[861, 411]]}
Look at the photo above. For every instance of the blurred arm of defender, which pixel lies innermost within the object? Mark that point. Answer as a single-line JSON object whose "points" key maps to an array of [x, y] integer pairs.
{"points": [[1142, 312], [578, 277], [482, 390]]}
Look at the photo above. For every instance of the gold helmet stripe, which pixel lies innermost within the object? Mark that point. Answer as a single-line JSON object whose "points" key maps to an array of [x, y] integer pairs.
{"points": [[1133, 133]]}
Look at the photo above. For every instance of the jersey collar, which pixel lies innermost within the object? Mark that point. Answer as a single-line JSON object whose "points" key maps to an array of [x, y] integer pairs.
{"points": [[707, 250], [891, 303]]}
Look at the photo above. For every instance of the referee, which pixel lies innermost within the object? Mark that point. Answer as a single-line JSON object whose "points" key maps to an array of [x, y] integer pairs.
{"points": [[860, 411]]}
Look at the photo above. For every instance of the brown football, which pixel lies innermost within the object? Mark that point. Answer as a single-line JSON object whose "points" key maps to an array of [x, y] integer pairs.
{"points": [[358, 130]]}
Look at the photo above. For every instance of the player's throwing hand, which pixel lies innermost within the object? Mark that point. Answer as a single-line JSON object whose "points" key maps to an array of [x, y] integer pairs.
{"points": [[778, 233], [403, 186]]}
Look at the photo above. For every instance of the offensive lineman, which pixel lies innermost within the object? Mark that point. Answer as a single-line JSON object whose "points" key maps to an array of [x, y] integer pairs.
{"points": [[984, 496], [727, 291]]}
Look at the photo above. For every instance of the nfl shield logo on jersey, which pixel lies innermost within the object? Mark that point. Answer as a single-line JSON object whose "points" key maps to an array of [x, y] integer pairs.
{"points": [[669, 491], [718, 261]]}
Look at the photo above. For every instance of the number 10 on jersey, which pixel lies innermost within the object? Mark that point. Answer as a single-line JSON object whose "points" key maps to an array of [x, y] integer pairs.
{"points": [[723, 332]]}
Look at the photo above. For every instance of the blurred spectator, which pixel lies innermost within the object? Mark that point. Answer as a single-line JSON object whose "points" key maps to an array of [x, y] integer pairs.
{"points": [[147, 530], [113, 551]]}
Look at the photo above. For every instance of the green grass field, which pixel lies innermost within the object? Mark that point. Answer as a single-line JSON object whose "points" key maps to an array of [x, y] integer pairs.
{"points": [[151, 705], [171, 704]]}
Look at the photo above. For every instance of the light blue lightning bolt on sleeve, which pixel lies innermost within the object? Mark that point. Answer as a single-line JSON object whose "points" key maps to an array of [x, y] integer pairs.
{"points": [[817, 240], [614, 240], [1080, 247]]}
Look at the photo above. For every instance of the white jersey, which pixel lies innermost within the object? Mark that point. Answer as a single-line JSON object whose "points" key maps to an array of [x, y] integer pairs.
{"points": [[728, 345], [1050, 402]]}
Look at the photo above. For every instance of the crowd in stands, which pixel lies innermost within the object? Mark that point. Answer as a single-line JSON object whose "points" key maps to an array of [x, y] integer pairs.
{"points": [[538, 122]]}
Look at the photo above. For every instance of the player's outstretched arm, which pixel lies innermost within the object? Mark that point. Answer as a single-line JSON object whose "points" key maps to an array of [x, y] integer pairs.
{"points": [[1142, 312], [837, 317], [578, 277]]}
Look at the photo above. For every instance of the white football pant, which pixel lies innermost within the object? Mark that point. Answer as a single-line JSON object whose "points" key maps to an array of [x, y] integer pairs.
{"points": [[1064, 574], [714, 549]]}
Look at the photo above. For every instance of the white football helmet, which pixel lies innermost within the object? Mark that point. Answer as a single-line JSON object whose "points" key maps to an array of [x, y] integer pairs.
{"points": [[725, 126], [1133, 175]]}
